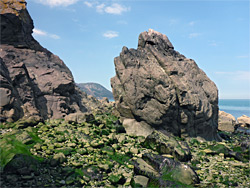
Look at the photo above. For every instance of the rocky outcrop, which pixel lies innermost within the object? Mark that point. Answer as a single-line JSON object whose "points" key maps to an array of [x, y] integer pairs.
{"points": [[226, 122], [157, 85], [35, 84]]}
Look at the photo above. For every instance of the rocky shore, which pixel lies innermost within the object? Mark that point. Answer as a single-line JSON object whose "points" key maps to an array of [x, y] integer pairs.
{"points": [[98, 153], [163, 130]]}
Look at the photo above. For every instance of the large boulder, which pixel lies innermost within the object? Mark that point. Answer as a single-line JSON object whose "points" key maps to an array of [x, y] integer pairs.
{"points": [[34, 82], [157, 85], [226, 122]]}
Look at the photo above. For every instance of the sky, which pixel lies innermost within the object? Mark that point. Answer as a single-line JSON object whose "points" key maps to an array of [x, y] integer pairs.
{"points": [[88, 35]]}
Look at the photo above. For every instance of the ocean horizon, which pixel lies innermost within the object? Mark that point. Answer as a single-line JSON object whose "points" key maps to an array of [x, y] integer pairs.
{"points": [[236, 107]]}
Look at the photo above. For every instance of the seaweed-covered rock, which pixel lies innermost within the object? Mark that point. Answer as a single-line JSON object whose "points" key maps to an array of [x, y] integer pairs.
{"points": [[157, 85], [168, 145], [165, 171], [22, 164]]}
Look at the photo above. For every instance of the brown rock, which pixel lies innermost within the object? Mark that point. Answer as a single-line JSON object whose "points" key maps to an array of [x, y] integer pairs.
{"points": [[34, 82], [166, 90]]}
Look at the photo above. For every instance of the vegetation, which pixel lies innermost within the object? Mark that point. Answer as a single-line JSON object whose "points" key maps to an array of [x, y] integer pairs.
{"points": [[99, 153]]}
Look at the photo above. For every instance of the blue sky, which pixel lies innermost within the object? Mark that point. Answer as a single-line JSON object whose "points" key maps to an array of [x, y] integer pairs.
{"points": [[87, 35]]}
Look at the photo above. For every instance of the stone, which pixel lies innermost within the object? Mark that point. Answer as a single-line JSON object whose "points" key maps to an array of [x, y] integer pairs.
{"points": [[171, 170], [143, 168], [35, 83], [245, 120], [21, 164], [135, 128], [141, 180], [157, 85], [168, 145], [226, 122], [79, 117], [57, 159]]}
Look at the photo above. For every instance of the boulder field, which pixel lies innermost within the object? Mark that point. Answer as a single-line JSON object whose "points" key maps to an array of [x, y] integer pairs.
{"points": [[158, 86]]}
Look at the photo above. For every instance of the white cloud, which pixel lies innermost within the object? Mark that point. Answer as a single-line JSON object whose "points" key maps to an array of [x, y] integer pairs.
{"points": [[54, 36], [100, 8], [194, 35], [54, 3], [116, 9], [88, 4], [111, 34], [237, 75], [38, 32]]}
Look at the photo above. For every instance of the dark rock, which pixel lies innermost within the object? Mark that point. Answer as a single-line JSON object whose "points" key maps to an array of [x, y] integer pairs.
{"points": [[157, 85], [22, 164], [168, 145], [34, 82], [165, 171]]}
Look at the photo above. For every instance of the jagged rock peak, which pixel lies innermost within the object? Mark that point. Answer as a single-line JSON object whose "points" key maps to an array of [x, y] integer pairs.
{"points": [[158, 86], [17, 25], [12, 6], [153, 37]]}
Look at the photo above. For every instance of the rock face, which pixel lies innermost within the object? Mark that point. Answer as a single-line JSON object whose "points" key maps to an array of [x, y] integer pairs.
{"points": [[34, 82], [159, 86], [226, 122]]}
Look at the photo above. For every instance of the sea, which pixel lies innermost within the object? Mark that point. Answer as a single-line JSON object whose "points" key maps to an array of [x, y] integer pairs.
{"points": [[236, 107]]}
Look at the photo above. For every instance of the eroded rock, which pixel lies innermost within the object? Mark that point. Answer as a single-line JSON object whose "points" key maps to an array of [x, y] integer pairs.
{"points": [[34, 82], [166, 90]]}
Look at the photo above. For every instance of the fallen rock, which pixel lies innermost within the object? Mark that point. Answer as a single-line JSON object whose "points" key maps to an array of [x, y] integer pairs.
{"points": [[135, 128], [141, 180], [79, 117], [22, 164], [165, 171], [168, 145], [244, 120], [226, 122], [166, 90], [34, 82]]}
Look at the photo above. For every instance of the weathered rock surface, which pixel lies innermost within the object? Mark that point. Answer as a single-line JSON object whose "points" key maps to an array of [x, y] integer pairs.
{"points": [[35, 83], [244, 120], [226, 122], [159, 86]]}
